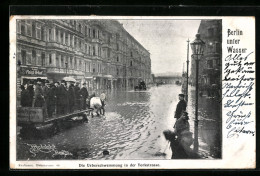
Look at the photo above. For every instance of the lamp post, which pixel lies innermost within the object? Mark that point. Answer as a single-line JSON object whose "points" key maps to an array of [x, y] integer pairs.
{"points": [[187, 89], [197, 47], [66, 64]]}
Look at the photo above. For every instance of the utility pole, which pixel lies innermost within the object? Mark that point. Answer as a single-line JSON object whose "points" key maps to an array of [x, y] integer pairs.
{"points": [[187, 89]]}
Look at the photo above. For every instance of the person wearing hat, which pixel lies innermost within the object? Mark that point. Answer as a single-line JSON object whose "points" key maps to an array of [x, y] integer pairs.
{"points": [[38, 94], [84, 95], [181, 107], [62, 98]]}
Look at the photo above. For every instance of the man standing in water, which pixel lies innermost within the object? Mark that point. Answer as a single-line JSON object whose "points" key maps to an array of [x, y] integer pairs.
{"points": [[181, 107]]}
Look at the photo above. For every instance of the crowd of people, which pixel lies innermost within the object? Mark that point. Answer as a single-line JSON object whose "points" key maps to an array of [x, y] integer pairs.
{"points": [[58, 97]]}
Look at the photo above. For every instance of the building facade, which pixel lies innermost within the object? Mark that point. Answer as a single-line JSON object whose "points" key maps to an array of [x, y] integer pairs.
{"points": [[210, 64], [99, 52]]}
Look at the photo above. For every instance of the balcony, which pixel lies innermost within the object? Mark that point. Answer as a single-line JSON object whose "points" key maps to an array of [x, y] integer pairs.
{"points": [[58, 45], [31, 40], [54, 70]]}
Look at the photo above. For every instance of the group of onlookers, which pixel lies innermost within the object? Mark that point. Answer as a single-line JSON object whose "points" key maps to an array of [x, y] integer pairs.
{"points": [[59, 97]]}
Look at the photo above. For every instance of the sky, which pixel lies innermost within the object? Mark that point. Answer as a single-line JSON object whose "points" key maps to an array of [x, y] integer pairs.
{"points": [[166, 41]]}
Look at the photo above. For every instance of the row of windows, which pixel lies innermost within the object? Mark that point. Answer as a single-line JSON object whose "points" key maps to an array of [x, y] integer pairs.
{"points": [[35, 30]]}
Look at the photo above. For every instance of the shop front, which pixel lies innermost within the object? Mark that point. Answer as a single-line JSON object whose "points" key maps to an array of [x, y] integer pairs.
{"points": [[26, 74]]}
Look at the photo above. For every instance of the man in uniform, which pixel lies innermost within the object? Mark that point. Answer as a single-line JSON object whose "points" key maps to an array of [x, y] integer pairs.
{"points": [[84, 95], [181, 107]]}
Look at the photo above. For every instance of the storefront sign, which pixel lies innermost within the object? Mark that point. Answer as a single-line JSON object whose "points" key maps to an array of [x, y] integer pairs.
{"points": [[33, 71]]}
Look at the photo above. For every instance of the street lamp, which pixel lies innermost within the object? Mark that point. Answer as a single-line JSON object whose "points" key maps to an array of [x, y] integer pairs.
{"points": [[197, 47], [66, 64]]}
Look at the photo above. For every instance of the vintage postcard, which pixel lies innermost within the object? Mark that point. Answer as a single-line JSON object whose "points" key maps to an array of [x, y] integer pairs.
{"points": [[106, 92]]}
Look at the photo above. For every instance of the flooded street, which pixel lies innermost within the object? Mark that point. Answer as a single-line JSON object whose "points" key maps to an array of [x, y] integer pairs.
{"points": [[131, 128]]}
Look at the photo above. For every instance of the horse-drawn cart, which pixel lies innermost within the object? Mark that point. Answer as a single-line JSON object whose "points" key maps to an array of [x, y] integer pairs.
{"points": [[34, 121]]}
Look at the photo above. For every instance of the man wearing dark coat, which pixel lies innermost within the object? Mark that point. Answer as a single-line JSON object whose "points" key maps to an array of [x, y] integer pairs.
{"points": [[84, 95], [24, 97], [45, 88], [71, 96], [38, 94], [62, 98], [50, 99], [181, 107], [30, 93], [77, 96]]}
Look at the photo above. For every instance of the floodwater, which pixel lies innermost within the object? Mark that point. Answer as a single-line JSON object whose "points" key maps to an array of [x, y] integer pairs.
{"points": [[131, 128]]}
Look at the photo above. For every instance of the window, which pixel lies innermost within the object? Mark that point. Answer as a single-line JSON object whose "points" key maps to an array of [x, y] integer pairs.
{"points": [[75, 63], [86, 30], [66, 39], [94, 33], [75, 42], [89, 50], [33, 30], [71, 65], [43, 59], [23, 53], [117, 71], [94, 53], [57, 35], [71, 40], [23, 27], [57, 62], [217, 47], [210, 32], [117, 59], [89, 31], [210, 63], [117, 47], [33, 57], [61, 37], [98, 34], [108, 53], [80, 28], [131, 63], [62, 62], [50, 59], [79, 44], [49, 34], [80, 65], [29, 28], [131, 54], [42, 33]]}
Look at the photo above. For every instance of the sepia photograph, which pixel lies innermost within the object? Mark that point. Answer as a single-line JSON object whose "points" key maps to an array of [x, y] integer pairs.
{"points": [[118, 89]]}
